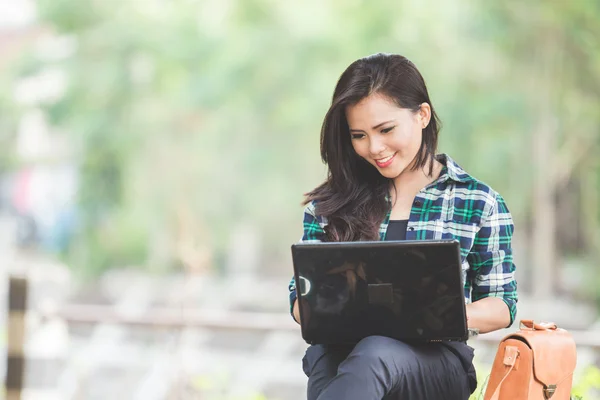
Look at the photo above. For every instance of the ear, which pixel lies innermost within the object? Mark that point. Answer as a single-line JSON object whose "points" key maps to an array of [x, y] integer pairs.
{"points": [[424, 115]]}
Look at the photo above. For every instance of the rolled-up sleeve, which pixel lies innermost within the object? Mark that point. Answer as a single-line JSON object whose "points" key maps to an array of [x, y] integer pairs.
{"points": [[492, 270], [313, 233]]}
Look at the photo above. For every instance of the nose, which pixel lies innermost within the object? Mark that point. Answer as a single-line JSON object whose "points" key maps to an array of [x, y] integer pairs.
{"points": [[376, 146]]}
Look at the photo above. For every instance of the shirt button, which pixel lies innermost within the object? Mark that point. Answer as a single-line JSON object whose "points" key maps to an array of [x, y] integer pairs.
{"points": [[411, 229], [418, 203]]}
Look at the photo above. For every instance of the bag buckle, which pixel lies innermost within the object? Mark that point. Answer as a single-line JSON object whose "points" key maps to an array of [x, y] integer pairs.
{"points": [[510, 356], [549, 391]]}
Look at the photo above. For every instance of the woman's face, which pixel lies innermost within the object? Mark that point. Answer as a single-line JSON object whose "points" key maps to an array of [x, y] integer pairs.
{"points": [[385, 135]]}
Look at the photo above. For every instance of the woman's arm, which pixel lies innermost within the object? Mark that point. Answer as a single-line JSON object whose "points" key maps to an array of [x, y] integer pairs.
{"points": [[488, 314], [313, 233], [491, 273]]}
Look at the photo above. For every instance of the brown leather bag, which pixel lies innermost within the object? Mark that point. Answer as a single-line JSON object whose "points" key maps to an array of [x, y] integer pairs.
{"points": [[534, 363]]}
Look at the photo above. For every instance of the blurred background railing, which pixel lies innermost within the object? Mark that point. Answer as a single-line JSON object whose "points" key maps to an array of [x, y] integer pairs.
{"points": [[154, 153]]}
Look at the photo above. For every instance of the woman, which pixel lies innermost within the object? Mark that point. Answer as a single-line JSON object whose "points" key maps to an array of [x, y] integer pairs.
{"points": [[385, 182]]}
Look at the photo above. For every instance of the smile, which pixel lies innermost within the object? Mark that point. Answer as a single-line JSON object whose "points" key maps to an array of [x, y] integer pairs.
{"points": [[384, 162]]}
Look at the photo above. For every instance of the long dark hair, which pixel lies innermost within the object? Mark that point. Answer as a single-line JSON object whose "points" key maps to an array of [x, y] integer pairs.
{"points": [[353, 197]]}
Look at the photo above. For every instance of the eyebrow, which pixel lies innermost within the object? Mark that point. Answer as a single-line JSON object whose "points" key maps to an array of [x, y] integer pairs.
{"points": [[375, 127]]}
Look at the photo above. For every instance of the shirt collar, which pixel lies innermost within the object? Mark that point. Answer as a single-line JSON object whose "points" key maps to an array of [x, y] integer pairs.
{"points": [[452, 170]]}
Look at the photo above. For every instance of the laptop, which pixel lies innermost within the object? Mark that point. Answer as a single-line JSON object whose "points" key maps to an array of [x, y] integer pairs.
{"points": [[407, 290]]}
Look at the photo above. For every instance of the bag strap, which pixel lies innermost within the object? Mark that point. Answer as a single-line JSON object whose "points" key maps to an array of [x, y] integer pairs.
{"points": [[510, 358]]}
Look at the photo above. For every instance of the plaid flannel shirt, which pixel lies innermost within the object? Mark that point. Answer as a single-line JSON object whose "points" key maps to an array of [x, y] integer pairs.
{"points": [[455, 206]]}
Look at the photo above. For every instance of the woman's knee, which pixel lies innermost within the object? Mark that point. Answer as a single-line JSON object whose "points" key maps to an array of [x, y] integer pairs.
{"points": [[381, 349], [323, 360]]}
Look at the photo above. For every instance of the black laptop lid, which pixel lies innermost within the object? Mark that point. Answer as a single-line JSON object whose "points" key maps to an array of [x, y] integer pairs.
{"points": [[409, 290]]}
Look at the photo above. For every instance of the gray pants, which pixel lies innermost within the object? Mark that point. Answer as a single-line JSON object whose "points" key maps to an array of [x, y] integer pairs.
{"points": [[383, 368]]}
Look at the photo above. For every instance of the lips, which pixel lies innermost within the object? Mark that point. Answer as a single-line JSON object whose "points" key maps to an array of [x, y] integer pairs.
{"points": [[385, 162]]}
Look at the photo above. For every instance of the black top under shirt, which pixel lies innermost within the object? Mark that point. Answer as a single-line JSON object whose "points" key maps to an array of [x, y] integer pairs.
{"points": [[397, 231]]}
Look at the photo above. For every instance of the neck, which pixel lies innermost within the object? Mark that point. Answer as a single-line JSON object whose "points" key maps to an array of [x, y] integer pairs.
{"points": [[414, 180]]}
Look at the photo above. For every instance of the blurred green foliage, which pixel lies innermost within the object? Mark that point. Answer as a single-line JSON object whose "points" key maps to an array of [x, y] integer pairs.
{"points": [[588, 382], [193, 117]]}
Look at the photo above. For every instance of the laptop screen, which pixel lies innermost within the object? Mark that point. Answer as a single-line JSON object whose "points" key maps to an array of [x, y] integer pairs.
{"points": [[408, 290]]}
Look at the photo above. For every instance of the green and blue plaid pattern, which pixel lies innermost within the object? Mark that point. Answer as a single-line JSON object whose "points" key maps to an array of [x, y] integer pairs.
{"points": [[455, 206]]}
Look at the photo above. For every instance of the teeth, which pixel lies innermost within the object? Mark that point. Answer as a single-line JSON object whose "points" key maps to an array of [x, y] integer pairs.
{"points": [[384, 160]]}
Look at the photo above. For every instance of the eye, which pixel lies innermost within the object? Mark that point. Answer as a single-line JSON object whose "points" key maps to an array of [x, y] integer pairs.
{"points": [[358, 135], [387, 130]]}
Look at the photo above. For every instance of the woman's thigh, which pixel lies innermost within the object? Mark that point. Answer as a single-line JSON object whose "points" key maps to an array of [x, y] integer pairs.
{"points": [[401, 370], [414, 371]]}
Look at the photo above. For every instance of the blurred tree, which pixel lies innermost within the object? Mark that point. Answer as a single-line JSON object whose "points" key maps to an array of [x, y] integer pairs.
{"points": [[554, 49], [194, 117]]}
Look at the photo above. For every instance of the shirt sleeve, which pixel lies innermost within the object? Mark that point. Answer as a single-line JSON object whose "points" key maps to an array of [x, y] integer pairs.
{"points": [[313, 233], [492, 271]]}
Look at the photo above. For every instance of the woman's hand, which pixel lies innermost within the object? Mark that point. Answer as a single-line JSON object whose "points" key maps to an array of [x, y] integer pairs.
{"points": [[488, 314], [296, 311]]}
